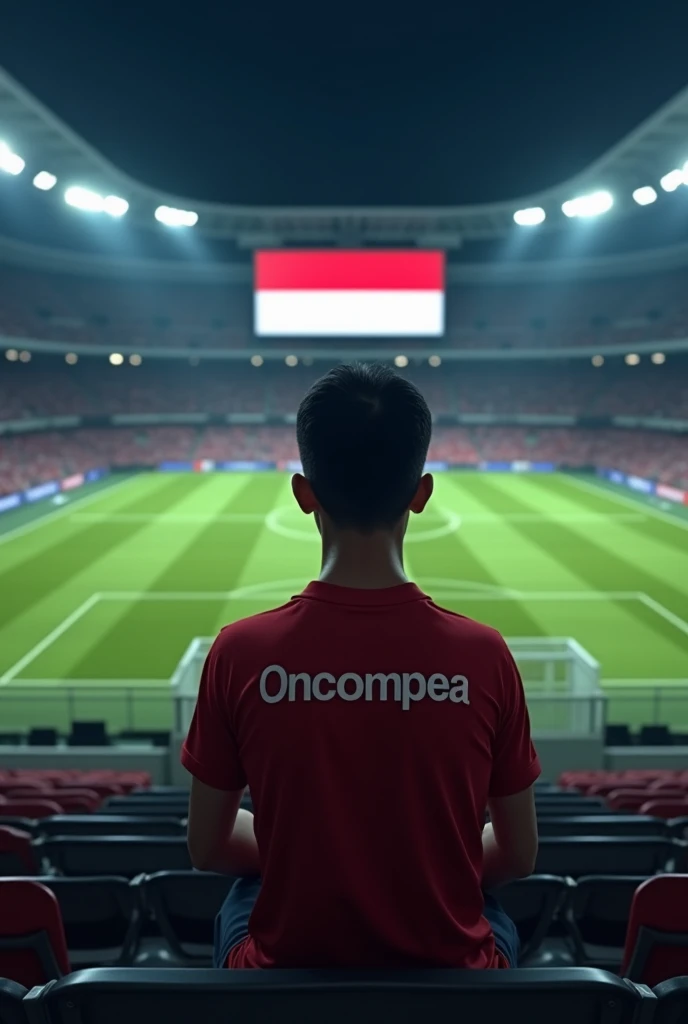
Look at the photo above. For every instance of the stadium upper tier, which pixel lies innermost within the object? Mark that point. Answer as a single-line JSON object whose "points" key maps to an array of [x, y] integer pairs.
{"points": [[47, 387], [126, 315]]}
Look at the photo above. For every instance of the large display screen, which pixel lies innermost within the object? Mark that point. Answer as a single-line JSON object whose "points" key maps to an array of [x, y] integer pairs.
{"points": [[348, 293]]}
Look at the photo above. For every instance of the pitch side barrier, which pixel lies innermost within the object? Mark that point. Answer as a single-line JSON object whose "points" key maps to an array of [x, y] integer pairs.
{"points": [[49, 489], [643, 486], [294, 466]]}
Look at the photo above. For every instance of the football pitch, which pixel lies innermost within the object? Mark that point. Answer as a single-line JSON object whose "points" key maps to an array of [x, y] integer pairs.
{"points": [[102, 596]]}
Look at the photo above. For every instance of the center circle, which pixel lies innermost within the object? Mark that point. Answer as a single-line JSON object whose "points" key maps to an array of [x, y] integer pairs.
{"points": [[274, 521]]}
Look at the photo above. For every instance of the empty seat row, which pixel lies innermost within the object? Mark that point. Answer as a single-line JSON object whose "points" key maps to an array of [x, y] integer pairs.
{"points": [[168, 918], [130, 855], [341, 997]]}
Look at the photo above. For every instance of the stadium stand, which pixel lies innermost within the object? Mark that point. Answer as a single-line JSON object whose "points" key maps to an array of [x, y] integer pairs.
{"points": [[11, 996], [73, 309]]}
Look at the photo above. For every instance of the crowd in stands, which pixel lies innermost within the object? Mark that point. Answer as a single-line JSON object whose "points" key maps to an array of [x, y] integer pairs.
{"points": [[48, 387], [144, 313], [28, 459]]}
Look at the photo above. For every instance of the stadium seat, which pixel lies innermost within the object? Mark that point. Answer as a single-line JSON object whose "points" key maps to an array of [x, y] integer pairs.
{"points": [[607, 855], [662, 808], [32, 942], [576, 806], [110, 825], [88, 734], [603, 825], [101, 918], [68, 798], [140, 995], [23, 824], [630, 800], [677, 827], [655, 736], [597, 918], [11, 996], [672, 1002], [16, 854], [31, 808], [532, 904], [184, 905], [42, 737], [152, 808], [114, 855], [8, 784], [657, 940]]}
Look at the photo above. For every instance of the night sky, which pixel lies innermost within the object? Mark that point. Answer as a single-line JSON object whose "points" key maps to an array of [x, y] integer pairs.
{"points": [[343, 104]]}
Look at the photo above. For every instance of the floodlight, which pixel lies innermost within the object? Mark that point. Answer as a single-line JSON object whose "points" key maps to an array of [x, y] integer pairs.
{"points": [[435, 361], [598, 360], [71, 358], [174, 218], [116, 358], [632, 359], [135, 359], [658, 358], [591, 205], [671, 181], [529, 217], [25, 357], [84, 199], [291, 360], [645, 195], [11, 355], [44, 180], [10, 163], [256, 360], [115, 206], [401, 361]]}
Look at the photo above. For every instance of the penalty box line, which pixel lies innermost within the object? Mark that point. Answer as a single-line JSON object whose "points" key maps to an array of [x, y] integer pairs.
{"points": [[256, 594]]}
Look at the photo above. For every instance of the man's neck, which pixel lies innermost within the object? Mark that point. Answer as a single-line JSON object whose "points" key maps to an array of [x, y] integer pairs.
{"points": [[363, 561]]}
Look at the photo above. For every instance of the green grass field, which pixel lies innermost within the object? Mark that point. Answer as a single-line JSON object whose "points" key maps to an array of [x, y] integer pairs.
{"points": [[101, 597]]}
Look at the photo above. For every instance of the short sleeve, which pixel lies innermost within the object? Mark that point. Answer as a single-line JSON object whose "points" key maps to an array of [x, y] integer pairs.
{"points": [[515, 764], [210, 752]]}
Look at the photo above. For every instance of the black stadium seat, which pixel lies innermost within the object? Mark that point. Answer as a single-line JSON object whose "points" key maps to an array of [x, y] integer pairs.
{"points": [[11, 996], [607, 855], [151, 809], [603, 825], [532, 904], [139, 996], [101, 918], [184, 905], [570, 805], [110, 825], [672, 1005], [597, 916], [114, 855]]}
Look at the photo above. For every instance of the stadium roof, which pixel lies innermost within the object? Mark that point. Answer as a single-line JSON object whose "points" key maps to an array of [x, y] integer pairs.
{"points": [[46, 143]]}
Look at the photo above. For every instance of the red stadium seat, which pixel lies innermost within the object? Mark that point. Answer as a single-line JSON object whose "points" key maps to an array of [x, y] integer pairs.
{"points": [[16, 852], [657, 937], [662, 808], [659, 785], [633, 799], [38, 808], [102, 789], [33, 949], [6, 785]]}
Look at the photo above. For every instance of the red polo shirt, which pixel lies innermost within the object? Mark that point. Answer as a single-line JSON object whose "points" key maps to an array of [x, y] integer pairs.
{"points": [[371, 727]]}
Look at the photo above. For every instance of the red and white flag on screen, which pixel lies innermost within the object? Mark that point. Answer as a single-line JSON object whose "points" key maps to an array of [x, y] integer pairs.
{"points": [[349, 293]]}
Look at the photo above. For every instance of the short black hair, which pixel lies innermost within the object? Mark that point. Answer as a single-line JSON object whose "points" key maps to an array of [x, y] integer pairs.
{"points": [[363, 433]]}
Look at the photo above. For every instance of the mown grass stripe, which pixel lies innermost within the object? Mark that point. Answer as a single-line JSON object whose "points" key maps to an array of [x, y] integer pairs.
{"points": [[213, 561], [601, 569], [42, 572]]}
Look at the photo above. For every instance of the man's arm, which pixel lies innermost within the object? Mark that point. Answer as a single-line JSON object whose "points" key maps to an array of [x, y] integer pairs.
{"points": [[510, 840], [220, 834]]}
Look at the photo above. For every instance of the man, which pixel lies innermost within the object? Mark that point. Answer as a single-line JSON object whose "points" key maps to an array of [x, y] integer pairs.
{"points": [[373, 728]]}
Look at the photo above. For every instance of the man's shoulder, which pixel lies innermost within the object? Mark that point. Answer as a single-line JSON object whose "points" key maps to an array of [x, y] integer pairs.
{"points": [[262, 624], [461, 627]]}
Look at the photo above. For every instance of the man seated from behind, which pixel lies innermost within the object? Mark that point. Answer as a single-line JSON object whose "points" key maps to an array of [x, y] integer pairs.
{"points": [[374, 729]]}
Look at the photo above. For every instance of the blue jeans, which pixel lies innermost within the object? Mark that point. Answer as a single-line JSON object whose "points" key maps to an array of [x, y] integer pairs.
{"points": [[231, 924]]}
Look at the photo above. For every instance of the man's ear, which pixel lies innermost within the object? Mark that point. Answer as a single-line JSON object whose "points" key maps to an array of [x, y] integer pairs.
{"points": [[423, 494], [303, 492]]}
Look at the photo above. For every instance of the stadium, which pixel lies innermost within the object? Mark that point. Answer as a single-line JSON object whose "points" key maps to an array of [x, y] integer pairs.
{"points": [[154, 350]]}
